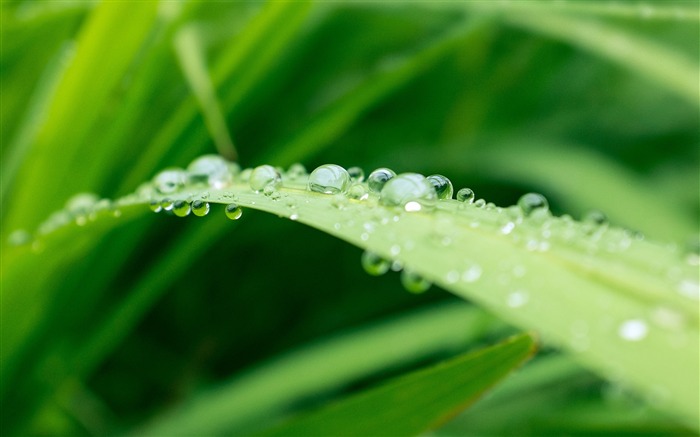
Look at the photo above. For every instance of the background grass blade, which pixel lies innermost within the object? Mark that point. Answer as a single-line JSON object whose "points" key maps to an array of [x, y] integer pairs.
{"points": [[419, 401]]}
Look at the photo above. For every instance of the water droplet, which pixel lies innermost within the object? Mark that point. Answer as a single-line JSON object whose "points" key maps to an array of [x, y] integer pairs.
{"points": [[167, 204], [155, 206], [452, 277], [378, 178], [212, 170], [480, 203], [531, 202], [80, 203], [356, 174], [296, 171], [465, 195], [244, 176], [443, 186], [357, 192], [19, 237], [472, 273], [633, 330], [413, 282], [689, 288], [374, 264], [408, 187], [517, 299], [595, 217], [264, 176], [329, 179], [233, 211], [170, 180], [508, 228], [269, 190], [200, 208], [181, 208]]}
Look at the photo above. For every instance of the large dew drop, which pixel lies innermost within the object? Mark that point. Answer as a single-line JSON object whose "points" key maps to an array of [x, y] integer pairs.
{"points": [[443, 186], [329, 179], [531, 202], [212, 170], [233, 211], [200, 208], [356, 174], [413, 282], [264, 176], [465, 195], [409, 190], [378, 178], [374, 264], [181, 208], [170, 180]]}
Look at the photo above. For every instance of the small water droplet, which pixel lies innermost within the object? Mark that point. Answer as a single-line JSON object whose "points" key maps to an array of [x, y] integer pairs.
{"points": [[508, 228], [374, 264], [181, 208], [480, 203], [532, 202], [378, 178], [356, 174], [155, 206], [408, 187], [633, 330], [413, 282], [233, 211], [296, 171], [170, 180], [19, 237], [689, 288], [329, 179], [264, 176], [395, 250], [167, 204], [212, 170], [357, 192], [452, 277], [82, 202], [472, 273], [200, 208], [517, 299], [465, 195], [443, 186], [595, 217]]}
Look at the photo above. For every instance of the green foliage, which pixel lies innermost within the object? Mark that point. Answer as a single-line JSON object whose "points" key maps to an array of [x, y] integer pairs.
{"points": [[110, 323]]}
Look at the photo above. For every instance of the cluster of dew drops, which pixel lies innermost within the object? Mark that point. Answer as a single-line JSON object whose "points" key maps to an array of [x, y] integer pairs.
{"points": [[410, 192]]}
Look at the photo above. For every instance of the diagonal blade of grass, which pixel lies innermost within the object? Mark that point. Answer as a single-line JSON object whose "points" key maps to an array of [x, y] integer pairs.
{"points": [[417, 402], [271, 389]]}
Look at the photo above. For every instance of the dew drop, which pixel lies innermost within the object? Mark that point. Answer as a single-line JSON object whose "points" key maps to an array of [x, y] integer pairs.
{"points": [[443, 186], [356, 174], [264, 176], [480, 203], [595, 217], [155, 206], [181, 208], [408, 187], [472, 273], [233, 211], [170, 180], [212, 170], [374, 264], [19, 237], [329, 179], [531, 202], [465, 195], [378, 178], [81, 202], [244, 176], [296, 171], [200, 208], [517, 299], [633, 330], [413, 282], [357, 192], [167, 204]]}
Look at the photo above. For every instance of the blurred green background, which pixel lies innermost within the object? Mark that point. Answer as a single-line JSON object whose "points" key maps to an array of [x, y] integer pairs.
{"points": [[592, 103]]}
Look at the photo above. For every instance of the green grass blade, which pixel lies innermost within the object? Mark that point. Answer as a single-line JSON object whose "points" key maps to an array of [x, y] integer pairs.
{"points": [[269, 390], [416, 402], [624, 307]]}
